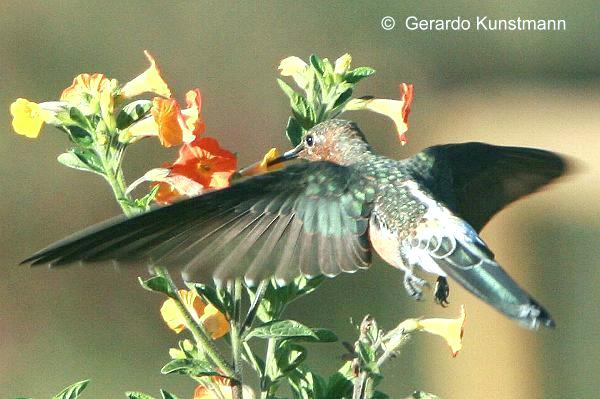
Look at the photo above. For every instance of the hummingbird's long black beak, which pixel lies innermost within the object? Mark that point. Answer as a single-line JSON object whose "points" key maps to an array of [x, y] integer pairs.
{"points": [[288, 155]]}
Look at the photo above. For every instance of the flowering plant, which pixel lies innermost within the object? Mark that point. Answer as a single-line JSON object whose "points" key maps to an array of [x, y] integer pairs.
{"points": [[102, 118]]}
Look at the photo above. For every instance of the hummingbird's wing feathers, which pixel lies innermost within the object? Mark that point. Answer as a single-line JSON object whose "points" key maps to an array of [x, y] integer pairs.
{"points": [[308, 218], [444, 244], [477, 180]]}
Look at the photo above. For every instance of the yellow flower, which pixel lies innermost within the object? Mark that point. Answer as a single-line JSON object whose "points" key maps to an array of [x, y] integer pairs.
{"points": [[171, 314], [213, 321], [28, 117], [150, 81], [450, 329], [262, 166], [397, 110], [342, 64], [296, 68]]}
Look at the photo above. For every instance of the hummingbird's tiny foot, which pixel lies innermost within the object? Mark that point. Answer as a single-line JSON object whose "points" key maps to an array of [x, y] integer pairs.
{"points": [[413, 286], [441, 291]]}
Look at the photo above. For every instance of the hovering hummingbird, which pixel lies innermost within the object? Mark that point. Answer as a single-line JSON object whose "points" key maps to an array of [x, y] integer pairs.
{"points": [[327, 214]]}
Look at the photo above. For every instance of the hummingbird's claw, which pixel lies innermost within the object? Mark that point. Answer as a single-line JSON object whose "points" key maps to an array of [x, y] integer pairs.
{"points": [[414, 285], [441, 291]]}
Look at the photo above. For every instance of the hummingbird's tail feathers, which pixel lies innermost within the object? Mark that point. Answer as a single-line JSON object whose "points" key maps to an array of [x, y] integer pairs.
{"points": [[448, 246], [308, 218], [477, 180]]}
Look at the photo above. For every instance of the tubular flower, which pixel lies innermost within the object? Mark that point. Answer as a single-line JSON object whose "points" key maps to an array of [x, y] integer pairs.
{"points": [[29, 117], [451, 330], [170, 123], [213, 321], [150, 81], [88, 91], [222, 384], [171, 314], [296, 68], [202, 161], [262, 166], [397, 110]]}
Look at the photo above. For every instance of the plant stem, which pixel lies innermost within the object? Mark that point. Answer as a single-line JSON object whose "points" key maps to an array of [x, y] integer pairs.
{"points": [[260, 292], [202, 340], [236, 347]]}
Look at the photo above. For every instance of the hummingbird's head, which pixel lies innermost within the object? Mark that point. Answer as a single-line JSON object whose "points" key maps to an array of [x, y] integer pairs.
{"points": [[338, 141]]}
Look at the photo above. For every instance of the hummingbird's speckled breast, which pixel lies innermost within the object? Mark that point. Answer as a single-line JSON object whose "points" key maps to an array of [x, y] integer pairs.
{"points": [[396, 212]]}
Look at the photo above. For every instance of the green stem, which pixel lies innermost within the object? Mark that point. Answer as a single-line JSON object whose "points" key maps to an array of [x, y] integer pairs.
{"points": [[267, 386], [201, 338], [236, 342]]}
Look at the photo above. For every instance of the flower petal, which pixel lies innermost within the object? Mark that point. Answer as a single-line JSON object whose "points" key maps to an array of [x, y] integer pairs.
{"points": [[192, 115], [261, 166], [342, 64], [167, 114], [214, 322], [150, 81], [173, 317], [28, 117], [451, 330]]}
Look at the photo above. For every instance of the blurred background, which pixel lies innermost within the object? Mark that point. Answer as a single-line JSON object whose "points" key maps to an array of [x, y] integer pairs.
{"points": [[538, 89]]}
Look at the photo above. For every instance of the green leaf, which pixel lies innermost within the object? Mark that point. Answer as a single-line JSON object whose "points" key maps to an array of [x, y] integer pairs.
{"points": [[188, 366], [167, 395], [281, 329], [217, 297], [424, 395], [79, 119], [345, 96], [323, 335], [300, 107], [147, 199], [133, 112], [158, 284], [339, 386], [72, 391], [287, 89], [137, 395], [81, 159], [317, 63], [294, 131], [357, 74], [79, 136], [288, 356]]}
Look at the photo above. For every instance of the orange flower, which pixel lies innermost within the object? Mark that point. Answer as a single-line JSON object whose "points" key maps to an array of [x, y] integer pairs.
{"points": [[171, 314], [84, 85], [213, 321], [150, 81], [397, 110], [223, 385], [170, 123], [202, 161]]}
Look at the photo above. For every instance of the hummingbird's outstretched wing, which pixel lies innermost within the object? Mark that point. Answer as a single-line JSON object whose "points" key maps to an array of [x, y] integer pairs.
{"points": [[477, 180], [309, 218]]}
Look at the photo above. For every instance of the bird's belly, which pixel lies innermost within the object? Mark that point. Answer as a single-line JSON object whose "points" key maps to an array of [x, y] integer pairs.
{"points": [[385, 243]]}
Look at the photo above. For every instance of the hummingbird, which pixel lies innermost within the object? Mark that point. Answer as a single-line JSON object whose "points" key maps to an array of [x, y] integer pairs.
{"points": [[329, 212]]}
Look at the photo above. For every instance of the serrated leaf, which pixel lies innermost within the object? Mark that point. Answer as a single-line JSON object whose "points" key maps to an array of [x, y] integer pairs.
{"points": [[281, 329], [137, 395], [167, 395], [357, 74], [193, 367], [133, 112], [317, 63], [294, 131], [72, 391], [158, 284]]}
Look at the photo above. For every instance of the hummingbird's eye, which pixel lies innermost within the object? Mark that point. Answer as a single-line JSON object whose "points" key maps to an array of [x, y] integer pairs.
{"points": [[310, 140]]}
